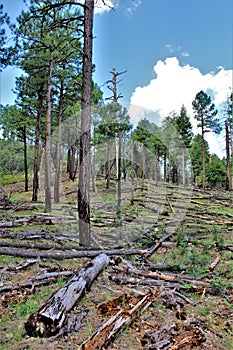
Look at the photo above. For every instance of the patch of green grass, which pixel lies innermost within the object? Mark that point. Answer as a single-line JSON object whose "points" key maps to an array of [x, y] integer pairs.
{"points": [[9, 260], [11, 179]]}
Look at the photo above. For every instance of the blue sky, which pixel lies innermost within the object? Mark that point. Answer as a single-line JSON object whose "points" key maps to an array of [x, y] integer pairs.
{"points": [[171, 49]]}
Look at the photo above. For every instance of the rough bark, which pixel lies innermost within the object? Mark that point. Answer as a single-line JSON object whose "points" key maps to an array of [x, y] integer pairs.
{"points": [[48, 320]]}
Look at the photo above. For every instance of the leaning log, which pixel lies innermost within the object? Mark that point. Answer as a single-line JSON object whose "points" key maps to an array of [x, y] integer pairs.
{"points": [[49, 318]]}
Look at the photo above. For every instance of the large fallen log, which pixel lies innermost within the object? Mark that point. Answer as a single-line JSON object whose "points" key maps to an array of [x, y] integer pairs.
{"points": [[49, 318]]}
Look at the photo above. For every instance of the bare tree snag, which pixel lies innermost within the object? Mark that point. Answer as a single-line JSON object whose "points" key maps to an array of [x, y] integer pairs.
{"points": [[50, 317], [109, 330]]}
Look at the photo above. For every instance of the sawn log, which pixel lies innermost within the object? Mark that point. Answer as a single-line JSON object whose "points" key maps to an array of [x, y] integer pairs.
{"points": [[50, 317]]}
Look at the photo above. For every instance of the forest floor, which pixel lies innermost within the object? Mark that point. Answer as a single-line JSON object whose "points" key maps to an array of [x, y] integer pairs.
{"points": [[189, 274]]}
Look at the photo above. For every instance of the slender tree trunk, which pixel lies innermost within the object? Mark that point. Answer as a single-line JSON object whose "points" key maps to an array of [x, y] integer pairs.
{"points": [[183, 167], [25, 159], [165, 168], [231, 145], [143, 162], [118, 161], [37, 144], [84, 156], [58, 147], [93, 170], [203, 157], [48, 205], [228, 163], [156, 167], [108, 173]]}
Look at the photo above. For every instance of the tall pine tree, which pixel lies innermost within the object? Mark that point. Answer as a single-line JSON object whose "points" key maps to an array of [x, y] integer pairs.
{"points": [[205, 114]]}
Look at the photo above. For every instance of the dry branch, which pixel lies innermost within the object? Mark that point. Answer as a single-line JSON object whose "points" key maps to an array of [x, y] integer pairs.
{"points": [[214, 264], [50, 317], [156, 246]]}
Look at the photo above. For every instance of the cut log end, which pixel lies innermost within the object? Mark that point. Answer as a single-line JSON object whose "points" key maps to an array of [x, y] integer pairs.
{"points": [[39, 326]]}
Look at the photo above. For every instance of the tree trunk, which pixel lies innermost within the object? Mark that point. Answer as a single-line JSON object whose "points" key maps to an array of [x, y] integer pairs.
{"points": [[108, 173], [84, 156], [203, 157], [143, 162], [37, 143], [156, 167], [50, 317], [118, 162], [25, 159], [48, 206], [165, 168], [183, 167], [58, 146], [228, 162]]}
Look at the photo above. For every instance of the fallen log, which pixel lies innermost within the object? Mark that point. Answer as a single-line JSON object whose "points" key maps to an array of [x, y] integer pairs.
{"points": [[49, 318], [67, 254], [103, 337], [173, 278]]}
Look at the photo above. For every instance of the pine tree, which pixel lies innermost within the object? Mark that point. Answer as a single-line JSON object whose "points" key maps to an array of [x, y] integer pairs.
{"points": [[184, 128], [205, 114]]}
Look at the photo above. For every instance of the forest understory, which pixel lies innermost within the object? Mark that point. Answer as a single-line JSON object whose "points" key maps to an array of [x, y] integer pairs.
{"points": [[168, 283]]}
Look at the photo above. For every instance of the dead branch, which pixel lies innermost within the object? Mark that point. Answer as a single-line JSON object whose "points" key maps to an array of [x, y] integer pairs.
{"points": [[214, 264], [156, 246]]}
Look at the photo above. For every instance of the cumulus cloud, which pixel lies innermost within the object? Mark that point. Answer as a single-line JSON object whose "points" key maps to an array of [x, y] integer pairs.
{"points": [[175, 85]]}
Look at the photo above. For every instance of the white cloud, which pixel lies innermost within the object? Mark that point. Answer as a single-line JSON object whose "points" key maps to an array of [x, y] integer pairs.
{"points": [[176, 85], [185, 54], [134, 5]]}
